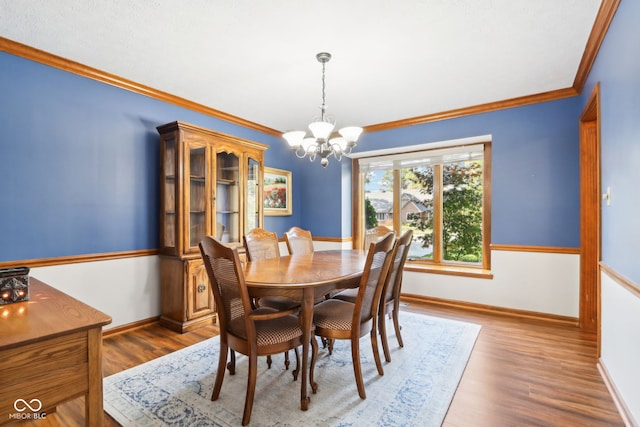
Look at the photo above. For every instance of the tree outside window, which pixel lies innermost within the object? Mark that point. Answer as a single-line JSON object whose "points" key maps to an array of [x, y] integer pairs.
{"points": [[461, 208], [441, 200]]}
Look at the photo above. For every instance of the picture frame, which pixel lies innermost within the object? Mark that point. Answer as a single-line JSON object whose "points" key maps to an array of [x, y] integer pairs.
{"points": [[276, 192]]}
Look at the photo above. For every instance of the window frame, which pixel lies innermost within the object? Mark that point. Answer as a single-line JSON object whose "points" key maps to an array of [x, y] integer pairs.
{"points": [[442, 266]]}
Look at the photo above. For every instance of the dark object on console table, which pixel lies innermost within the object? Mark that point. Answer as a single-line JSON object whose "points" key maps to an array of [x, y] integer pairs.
{"points": [[14, 285]]}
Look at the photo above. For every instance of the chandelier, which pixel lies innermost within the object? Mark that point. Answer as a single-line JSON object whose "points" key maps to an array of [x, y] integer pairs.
{"points": [[321, 143]]}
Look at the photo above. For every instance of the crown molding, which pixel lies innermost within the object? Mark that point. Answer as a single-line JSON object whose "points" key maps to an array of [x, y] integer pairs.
{"points": [[607, 9], [603, 19], [476, 109], [601, 24], [64, 64]]}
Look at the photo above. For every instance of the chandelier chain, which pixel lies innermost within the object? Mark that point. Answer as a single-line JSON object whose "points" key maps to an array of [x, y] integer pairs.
{"points": [[324, 104]]}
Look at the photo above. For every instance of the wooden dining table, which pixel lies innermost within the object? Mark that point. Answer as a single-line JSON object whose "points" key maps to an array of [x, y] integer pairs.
{"points": [[305, 277]]}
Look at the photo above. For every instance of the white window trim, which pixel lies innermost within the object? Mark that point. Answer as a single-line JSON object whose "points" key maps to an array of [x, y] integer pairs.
{"points": [[421, 147]]}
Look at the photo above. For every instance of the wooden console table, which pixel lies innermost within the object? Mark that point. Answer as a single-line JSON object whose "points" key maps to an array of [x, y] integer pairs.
{"points": [[50, 352]]}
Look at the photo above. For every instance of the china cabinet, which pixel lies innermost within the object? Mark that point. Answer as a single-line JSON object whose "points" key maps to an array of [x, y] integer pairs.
{"points": [[210, 185]]}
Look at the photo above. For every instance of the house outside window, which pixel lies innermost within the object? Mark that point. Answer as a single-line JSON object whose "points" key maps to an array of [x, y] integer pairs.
{"points": [[439, 194]]}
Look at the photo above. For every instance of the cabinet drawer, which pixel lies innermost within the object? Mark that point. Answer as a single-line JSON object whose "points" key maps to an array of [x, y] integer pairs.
{"points": [[51, 371]]}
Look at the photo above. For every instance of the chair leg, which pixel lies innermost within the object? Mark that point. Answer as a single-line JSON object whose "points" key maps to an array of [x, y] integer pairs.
{"points": [[357, 369], [382, 326], [374, 346], [222, 361], [286, 360], [314, 358], [296, 371], [330, 340], [231, 366], [251, 389], [268, 361], [396, 325]]}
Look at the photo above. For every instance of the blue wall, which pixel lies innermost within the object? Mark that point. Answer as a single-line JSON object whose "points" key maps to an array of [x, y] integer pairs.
{"points": [[617, 68], [79, 163], [79, 166], [322, 197], [535, 182]]}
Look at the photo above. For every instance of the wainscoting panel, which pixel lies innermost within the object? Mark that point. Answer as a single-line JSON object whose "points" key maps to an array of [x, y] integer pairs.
{"points": [[127, 289], [539, 282], [620, 343]]}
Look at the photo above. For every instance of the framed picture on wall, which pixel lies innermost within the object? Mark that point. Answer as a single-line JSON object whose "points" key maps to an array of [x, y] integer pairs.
{"points": [[276, 196]]}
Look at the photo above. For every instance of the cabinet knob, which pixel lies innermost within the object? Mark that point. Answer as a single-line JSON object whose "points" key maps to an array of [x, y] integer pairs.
{"points": [[201, 288]]}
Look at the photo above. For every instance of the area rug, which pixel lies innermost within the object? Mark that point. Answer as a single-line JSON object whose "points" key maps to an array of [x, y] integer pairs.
{"points": [[416, 389]]}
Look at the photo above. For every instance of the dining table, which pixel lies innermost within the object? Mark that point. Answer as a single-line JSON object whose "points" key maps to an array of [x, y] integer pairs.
{"points": [[307, 278]]}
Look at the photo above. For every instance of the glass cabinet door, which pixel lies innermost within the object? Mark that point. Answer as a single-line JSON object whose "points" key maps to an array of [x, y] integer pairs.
{"points": [[227, 198], [169, 194], [253, 195], [197, 196]]}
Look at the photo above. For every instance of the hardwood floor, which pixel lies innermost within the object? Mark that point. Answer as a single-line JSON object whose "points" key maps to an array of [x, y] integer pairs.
{"points": [[522, 372], [525, 372]]}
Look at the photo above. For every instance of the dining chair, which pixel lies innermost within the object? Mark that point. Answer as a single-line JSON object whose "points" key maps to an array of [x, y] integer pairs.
{"points": [[390, 297], [335, 319], [374, 234], [263, 244], [298, 241], [243, 328]]}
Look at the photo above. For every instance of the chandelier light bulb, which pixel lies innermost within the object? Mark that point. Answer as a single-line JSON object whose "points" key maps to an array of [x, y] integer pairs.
{"points": [[351, 133], [321, 130], [294, 138], [339, 144]]}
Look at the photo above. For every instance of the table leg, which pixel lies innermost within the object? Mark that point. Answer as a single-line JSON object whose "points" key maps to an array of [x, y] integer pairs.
{"points": [[94, 415], [306, 319]]}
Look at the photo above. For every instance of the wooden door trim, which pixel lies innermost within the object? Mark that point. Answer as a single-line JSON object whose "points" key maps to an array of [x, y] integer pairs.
{"points": [[590, 205]]}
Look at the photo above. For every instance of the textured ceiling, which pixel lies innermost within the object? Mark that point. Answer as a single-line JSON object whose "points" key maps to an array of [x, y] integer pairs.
{"points": [[256, 59]]}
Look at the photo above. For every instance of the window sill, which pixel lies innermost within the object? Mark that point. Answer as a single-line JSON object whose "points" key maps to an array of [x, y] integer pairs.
{"points": [[449, 270]]}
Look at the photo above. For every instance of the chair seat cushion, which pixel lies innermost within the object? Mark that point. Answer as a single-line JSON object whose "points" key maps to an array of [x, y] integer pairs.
{"points": [[333, 314], [278, 330], [278, 303], [272, 331], [349, 295]]}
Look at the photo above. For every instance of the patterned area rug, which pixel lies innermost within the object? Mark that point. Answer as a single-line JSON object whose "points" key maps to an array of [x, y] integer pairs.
{"points": [[416, 389]]}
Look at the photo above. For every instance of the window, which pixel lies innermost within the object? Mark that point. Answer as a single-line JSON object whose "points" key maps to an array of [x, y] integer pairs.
{"points": [[441, 194]]}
